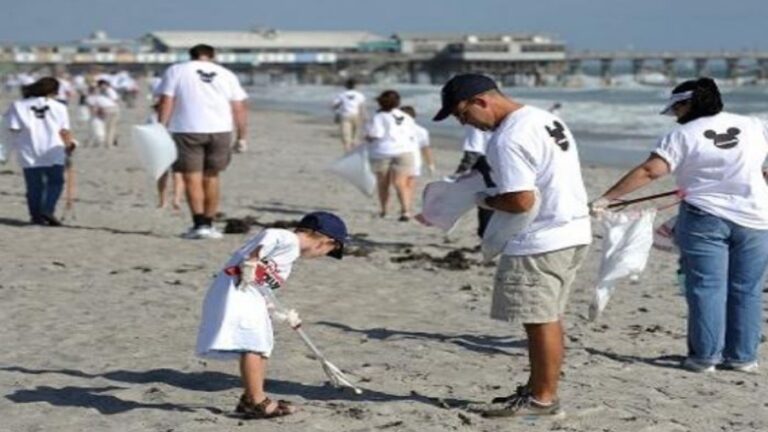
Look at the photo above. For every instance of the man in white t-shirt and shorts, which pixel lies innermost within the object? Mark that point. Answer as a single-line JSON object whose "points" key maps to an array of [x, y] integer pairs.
{"points": [[201, 103], [349, 107], [529, 149]]}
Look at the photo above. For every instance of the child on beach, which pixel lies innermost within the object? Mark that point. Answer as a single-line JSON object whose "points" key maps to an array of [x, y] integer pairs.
{"points": [[42, 138], [236, 319]]}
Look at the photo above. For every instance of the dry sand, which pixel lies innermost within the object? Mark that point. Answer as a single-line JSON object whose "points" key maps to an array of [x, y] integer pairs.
{"points": [[99, 318]]}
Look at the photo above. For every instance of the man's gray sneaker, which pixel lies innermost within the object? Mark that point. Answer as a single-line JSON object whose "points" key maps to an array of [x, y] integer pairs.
{"points": [[523, 406]]}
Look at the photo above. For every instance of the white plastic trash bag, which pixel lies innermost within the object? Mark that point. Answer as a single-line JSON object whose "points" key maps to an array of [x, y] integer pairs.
{"points": [[156, 148], [356, 169], [627, 241], [3, 153], [445, 201], [504, 226], [98, 131], [83, 113]]}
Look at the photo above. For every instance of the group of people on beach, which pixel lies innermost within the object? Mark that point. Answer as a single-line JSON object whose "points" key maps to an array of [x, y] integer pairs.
{"points": [[528, 158]]}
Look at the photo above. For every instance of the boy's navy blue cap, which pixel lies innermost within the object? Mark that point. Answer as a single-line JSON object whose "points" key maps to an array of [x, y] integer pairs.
{"points": [[328, 224], [460, 88]]}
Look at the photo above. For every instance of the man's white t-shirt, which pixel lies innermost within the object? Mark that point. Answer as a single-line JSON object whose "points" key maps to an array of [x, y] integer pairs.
{"points": [[717, 161], [475, 140], [420, 139], [532, 149], [348, 103], [37, 123], [391, 133], [203, 92]]}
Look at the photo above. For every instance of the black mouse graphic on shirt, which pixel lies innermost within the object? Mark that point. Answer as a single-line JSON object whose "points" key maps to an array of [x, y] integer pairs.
{"points": [[40, 111], [398, 120], [723, 140], [557, 132], [206, 77]]}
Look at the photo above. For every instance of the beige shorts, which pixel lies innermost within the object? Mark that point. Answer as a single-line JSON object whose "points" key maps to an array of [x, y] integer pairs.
{"points": [[403, 163], [534, 289], [206, 152]]}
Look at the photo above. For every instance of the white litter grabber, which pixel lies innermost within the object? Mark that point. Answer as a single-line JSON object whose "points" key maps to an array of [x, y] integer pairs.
{"points": [[335, 375]]}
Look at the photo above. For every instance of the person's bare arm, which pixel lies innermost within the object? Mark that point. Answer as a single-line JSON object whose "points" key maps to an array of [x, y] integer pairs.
{"points": [[512, 202], [165, 109], [240, 115], [653, 168], [66, 136]]}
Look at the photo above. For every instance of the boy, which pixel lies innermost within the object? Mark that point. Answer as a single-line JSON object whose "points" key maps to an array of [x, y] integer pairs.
{"points": [[236, 322]]}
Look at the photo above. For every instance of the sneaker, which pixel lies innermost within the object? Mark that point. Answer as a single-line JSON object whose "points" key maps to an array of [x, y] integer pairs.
{"points": [[692, 365], [51, 220], [751, 367], [523, 405], [201, 233], [522, 390]]}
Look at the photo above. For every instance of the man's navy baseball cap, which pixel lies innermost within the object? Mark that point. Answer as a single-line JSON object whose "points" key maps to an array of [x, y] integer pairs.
{"points": [[328, 224], [460, 88]]}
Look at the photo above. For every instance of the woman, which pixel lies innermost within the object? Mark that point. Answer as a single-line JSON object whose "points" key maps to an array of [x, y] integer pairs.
{"points": [[390, 151], [722, 227], [40, 127]]}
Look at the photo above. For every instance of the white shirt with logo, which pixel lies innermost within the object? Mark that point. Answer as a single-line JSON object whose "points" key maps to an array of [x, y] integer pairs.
{"points": [[475, 140], [203, 92], [717, 161], [533, 149], [348, 103], [236, 320], [391, 134], [420, 139], [37, 123]]}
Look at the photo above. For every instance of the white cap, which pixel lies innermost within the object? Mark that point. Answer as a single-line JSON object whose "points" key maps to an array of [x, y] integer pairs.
{"points": [[675, 98]]}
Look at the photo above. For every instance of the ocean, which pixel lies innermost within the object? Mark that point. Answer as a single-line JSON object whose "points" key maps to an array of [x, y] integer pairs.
{"points": [[615, 125]]}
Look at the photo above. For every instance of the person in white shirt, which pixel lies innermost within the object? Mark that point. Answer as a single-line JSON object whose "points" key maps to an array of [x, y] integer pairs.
{"points": [[390, 149], [41, 137], [422, 152], [105, 114], [201, 103], [722, 225], [66, 91], [349, 107], [240, 306], [529, 150]]}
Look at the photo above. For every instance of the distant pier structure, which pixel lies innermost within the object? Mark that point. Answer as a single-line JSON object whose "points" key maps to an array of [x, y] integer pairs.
{"points": [[265, 55]]}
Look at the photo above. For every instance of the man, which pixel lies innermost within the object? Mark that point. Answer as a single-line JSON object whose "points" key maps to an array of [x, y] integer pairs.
{"points": [[529, 149], [201, 102], [473, 159], [349, 107]]}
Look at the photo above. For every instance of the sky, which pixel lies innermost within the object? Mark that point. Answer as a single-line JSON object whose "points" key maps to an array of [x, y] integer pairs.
{"points": [[643, 25]]}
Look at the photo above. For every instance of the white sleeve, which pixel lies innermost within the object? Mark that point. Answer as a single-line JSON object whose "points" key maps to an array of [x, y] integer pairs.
{"points": [[168, 84], [12, 120], [236, 90], [670, 149], [519, 167], [376, 127], [64, 116]]}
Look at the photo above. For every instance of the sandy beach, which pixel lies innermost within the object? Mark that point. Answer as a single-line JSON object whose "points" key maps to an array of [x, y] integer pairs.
{"points": [[99, 318]]}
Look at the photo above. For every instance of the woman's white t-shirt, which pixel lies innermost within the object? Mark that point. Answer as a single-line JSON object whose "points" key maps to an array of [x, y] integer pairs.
{"points": [[348, 103], [390, 133], [236, 320], [420, 140], [717, 161], [37, 123]]}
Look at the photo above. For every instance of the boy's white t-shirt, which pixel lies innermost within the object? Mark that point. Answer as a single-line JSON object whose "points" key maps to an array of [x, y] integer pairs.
{"points": [[203, 92], [235, 320], [475, 140], [717, 161], [420, 140], [37, 123], [533, 149], [391, 132], [348, 103]]}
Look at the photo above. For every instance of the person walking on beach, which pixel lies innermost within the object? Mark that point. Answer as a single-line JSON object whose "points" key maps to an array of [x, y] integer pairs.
{"points": [[106, 110], [722, 225], [529, 149], [422, 153], [390, 150], [42, 138], [201, 103], [349, 107], [238, 309]]}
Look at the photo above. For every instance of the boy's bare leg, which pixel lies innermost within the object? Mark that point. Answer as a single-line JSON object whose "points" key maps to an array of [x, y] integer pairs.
{"points": [[253, 372], [178, 190], [162, 183], [400, 180]]}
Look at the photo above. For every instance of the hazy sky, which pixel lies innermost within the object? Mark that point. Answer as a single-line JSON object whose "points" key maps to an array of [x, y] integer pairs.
{"points": [[584, 24]]}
